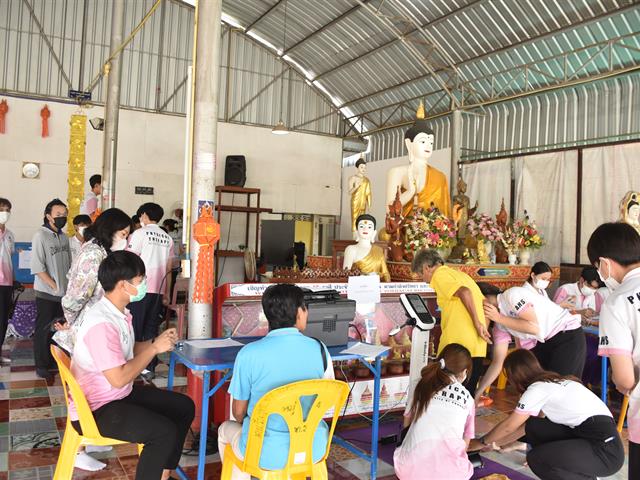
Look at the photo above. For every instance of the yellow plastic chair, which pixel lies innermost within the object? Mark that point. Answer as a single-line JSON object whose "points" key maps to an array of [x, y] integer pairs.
{"points": [[285, 401], [72, 439], [623, 412]]}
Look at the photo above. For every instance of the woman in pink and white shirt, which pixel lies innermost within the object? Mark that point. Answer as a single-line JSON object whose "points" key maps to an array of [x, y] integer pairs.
{"points": [[7, 247], [551, 332], [572, 434], [441, 416], [614, 249]]}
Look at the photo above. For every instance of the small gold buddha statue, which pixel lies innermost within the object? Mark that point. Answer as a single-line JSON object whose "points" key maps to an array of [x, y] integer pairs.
{"points": [[360, 191]]}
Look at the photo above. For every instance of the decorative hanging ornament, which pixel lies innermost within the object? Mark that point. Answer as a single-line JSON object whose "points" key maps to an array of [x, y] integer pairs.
{"points": [[206, 231], [4, 108], [45, 113]]}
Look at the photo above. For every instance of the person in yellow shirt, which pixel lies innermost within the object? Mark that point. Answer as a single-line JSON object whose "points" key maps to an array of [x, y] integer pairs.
{"points": [[460, 301]]}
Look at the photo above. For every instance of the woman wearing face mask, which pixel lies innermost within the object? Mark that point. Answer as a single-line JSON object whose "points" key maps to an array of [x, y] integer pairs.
{"points": [[441, 417], [108, 233], [614, 249], [539, 279], [582, 297], [552, 333]]}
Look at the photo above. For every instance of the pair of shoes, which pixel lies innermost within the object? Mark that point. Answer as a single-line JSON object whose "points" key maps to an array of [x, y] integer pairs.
{"points": [[44, 373]]}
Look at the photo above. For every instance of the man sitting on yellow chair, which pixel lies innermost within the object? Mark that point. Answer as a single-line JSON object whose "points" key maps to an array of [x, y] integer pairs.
{"points": [[282, 357]]}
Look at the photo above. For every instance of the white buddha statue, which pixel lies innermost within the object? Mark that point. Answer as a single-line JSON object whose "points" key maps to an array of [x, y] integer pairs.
{"points": [[630, 209], [420, 184], [364, 255]]}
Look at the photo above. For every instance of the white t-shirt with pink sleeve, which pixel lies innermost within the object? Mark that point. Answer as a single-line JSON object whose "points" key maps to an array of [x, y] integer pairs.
{"points": [[565, 402], [7, 247], [620, 335], [552, 318], [104, 340], [435, 447], [155, 247]]}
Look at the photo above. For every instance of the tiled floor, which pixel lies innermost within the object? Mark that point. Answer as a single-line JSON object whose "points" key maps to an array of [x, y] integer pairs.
{"points": [[33, 416]]}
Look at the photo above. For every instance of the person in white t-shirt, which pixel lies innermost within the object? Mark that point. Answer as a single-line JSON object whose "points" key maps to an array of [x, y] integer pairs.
{"points": [[7, 248], [155, 247], [582, 297], [614, 249], [539, 279], [441, 416], [572, 434], [91, 202], [80, 224], [551, 332]]}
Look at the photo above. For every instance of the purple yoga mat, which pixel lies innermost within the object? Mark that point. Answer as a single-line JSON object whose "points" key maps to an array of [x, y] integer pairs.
{"points": [[361, 438]]}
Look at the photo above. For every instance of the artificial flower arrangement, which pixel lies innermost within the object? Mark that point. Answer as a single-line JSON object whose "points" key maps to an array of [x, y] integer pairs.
{"points": [[429, 229], [483, 227], [527, 233], [510, 239]]}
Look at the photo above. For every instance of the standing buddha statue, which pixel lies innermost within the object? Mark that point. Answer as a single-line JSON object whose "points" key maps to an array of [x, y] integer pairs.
{"points": [[360, 191]]}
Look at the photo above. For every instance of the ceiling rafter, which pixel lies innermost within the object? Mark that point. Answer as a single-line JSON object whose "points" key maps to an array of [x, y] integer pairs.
{"points": [[395, 41], [544, 36], [263, 16]]}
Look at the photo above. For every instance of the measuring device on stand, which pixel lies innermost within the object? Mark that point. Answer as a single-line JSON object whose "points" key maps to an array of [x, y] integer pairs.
{"points": [[419, 317]]}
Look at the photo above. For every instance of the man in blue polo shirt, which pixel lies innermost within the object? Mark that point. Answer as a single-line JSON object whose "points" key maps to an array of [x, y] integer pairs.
{"points": [[283, 356]]}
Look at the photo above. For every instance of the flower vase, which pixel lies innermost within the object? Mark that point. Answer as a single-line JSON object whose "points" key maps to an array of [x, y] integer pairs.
{"points": [[444, 252], [525, 256], [484, 251], [513, 259]]}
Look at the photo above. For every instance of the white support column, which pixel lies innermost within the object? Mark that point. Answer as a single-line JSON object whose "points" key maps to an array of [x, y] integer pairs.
{"points": [[205, 129], [456, 148], [112, 107]]}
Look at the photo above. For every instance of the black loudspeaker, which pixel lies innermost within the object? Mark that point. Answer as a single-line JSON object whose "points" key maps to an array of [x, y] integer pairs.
{"points": [[235, 171]]}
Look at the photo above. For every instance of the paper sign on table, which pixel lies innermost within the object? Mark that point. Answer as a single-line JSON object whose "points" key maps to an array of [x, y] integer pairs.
{"points": [[364, 289], [213, 343], [365, 350]]}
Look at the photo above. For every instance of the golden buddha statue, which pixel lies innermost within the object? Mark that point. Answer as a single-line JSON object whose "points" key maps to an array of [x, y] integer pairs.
{"points": [[360, 191], [462, 210], [630, 209], [364, 255], [420, 184]]}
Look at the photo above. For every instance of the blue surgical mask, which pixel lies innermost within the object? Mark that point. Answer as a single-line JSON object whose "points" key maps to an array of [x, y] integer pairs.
{"points": [[142, 291]]}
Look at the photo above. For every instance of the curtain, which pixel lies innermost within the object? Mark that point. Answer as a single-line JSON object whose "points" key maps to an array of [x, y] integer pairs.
{"points": [[608, 173], [546, 186], [488, 183]]}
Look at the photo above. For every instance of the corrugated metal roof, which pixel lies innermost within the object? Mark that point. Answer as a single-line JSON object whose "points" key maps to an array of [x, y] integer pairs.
{"points": [[369, 54]]}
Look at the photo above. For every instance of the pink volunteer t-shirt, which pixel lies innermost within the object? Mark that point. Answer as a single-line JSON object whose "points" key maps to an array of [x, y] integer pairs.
{"points": [[104, 341]]}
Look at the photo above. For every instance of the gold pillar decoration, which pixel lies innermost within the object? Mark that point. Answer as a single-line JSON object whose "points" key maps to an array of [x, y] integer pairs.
{"points": [[75, 176]]}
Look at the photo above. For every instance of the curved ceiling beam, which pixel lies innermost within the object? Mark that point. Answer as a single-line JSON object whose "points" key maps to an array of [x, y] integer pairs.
{"points": [[546, 35], [324, 27], [263, 16], [395, 41], [388, 24]]}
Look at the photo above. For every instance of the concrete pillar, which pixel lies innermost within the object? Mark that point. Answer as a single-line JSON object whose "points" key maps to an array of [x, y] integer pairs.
{"points": [[456, 148], [205, 131], [112, 107]]}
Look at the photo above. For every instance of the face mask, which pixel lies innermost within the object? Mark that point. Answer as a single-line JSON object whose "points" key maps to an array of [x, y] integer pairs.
{"points": [[4, 217], [60, 222], [118, 244], [588, 291], [81, 231], [610, 282], [142, 291], [541, 284]]}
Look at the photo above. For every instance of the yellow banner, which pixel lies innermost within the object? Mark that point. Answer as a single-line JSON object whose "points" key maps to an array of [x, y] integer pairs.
{"points": [[77, 143]]}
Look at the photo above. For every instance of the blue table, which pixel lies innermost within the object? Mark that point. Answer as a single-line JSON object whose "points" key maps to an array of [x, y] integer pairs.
{"points": [[604, 365], [208, 360]]}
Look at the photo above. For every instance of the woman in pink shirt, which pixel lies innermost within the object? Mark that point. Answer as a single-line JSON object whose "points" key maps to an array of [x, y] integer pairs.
{"points": [[442, 421]]}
